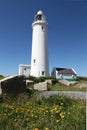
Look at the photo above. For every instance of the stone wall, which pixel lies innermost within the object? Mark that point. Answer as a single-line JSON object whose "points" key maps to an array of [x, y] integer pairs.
{"points": [[13, 85], [66, 82], [40, 86]]}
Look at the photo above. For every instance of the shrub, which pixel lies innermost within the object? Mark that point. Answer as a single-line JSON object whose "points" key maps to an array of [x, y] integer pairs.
{"points": [[81, 78], [39, 79], [1, 77]]}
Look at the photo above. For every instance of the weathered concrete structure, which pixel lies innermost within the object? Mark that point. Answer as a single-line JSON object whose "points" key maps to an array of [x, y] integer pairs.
{"points": [[40, 86], [13, 85]]}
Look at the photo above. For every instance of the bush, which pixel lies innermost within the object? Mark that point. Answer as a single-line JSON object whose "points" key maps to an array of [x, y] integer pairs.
{"points": [[1, 77], [81, 78], [40, 79]]}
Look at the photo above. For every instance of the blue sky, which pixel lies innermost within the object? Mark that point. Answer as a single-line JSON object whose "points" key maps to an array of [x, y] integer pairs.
{"points": [[67, 33]]}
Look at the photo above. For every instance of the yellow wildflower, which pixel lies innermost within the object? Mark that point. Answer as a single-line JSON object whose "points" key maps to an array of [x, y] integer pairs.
{"points": [[57, 111], [46, 111], [47, 129], [61, 103], [68, 113], [57, 121], [62, 115], [28, 111], [15, 120], [16, 110], [55, 108], [36, 129], [32, 115]]}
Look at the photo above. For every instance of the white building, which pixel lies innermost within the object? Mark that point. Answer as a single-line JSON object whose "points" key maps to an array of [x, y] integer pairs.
{"points": [[64, 73], [39, 56], [24, 70]]}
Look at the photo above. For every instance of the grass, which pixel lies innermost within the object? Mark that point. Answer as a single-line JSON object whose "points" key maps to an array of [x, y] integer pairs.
{"points": [[1, 77], [61, 87], [27, 112], [53, 113], [83, 81]]}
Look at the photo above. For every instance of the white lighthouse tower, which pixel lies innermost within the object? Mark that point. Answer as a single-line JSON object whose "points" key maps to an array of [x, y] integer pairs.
{"points": [[39, 56]]}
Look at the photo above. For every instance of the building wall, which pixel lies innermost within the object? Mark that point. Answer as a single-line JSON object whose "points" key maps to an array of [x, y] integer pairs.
{"points": [[53, 73], [24, 70], [39, 60], [69, 77]]}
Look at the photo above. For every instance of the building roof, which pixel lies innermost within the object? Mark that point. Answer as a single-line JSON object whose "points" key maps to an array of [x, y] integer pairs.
{"points": [[66, 71]]}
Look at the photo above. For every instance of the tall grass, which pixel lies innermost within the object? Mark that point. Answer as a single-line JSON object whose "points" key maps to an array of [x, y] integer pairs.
{"points": [[53, 113], [62, 87]]}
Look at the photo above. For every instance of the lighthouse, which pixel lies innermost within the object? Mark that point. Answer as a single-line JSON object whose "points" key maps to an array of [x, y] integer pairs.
{"points": [[39, 54]]}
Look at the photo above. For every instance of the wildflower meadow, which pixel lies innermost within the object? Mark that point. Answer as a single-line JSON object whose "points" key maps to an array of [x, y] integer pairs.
{"points": [[53, 113]]}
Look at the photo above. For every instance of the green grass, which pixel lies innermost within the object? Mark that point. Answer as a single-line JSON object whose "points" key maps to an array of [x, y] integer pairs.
{"points": [[53, 113], [83, 81], [61, 87], [1, 77]]}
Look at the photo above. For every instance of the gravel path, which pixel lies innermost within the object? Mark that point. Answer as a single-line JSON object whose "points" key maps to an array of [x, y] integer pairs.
{"points": [[76, 95]]}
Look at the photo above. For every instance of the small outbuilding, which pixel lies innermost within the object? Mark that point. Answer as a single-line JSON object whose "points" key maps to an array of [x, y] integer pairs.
{"points": [[24, 70], [64, 73]]}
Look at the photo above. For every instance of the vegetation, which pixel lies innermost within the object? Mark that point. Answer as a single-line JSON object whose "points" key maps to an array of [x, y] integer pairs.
{"points": [[62, 87], [79, 78], [27, 112], [41, 79], [53, 113], [1, 77], [56, 86]]}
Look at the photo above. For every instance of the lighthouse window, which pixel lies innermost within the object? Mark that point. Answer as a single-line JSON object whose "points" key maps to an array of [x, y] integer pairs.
{"points": [[38, 17], [43, 28], [43, 72], [34, 60]]}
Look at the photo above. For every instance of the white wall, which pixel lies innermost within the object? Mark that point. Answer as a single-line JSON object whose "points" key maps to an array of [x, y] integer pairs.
{"points": [[65, 76], [24, 70]]}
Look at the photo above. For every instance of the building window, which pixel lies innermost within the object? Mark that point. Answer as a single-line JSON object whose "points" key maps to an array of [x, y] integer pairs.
{"points": [[43, 72], [43, 28], [73, 76], [61, 76], [34, 61], [38, 17], [25, 69]]}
